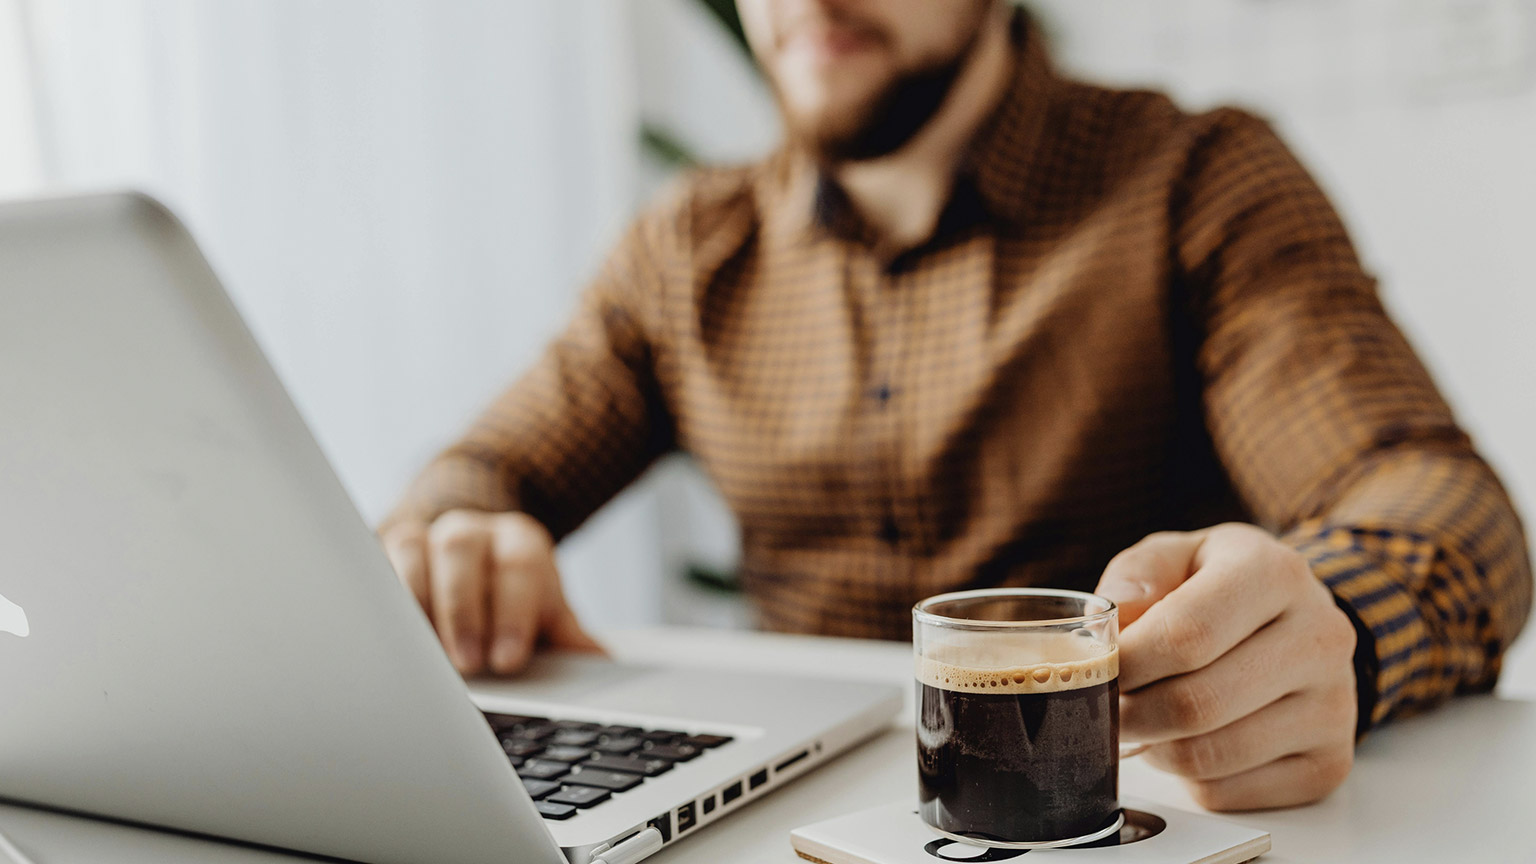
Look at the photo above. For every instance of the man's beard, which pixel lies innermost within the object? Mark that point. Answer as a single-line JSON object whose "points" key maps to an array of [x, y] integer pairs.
{"points": [[892, 117]]}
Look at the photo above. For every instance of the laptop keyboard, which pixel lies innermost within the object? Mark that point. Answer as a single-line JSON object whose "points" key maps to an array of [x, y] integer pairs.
{"points": [[568, 766]]}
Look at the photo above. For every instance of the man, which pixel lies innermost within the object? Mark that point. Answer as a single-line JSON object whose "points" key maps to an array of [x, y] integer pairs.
{"points": [[976, 324]]}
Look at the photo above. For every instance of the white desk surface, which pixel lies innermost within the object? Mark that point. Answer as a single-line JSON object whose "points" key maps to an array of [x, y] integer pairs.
{"points": [[1458, 785]]}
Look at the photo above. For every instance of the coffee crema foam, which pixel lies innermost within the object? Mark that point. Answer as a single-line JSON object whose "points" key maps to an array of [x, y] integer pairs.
{"points": [[1065, 663]]}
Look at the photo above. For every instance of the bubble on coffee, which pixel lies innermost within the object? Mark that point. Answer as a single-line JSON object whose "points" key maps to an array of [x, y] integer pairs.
{"points": [[1025, 663]]}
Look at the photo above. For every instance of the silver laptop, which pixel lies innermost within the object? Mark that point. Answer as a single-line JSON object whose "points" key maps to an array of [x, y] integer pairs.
{"points": [[199, 631]]}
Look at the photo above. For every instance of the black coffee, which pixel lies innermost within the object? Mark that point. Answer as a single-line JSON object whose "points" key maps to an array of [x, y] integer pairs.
{"points": [[1020, 754]]}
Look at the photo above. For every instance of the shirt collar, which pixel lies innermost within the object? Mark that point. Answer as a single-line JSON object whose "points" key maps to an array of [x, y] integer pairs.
{"points": [[1004, 152]]}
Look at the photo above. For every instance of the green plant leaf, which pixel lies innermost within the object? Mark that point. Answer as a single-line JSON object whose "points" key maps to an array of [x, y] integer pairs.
{"points": [[660, 144], [721, 581], [725, 12]]}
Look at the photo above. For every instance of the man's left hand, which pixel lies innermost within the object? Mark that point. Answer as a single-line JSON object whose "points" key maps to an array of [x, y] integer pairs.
{"points": [[1235, 666]]}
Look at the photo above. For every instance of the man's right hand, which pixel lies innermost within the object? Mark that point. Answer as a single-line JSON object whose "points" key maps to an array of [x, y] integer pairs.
{"points": [[489, 584]]}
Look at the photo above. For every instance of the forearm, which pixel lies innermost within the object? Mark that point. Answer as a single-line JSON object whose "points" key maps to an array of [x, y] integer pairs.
{"points": [[1424, 548]]}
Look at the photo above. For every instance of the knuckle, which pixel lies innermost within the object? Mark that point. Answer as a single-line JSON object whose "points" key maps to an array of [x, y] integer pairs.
{"points": [[456, 530], [1125, 556], [525, 524], [464, 619], [404, 534], [1157, 538], [1227, 532], [1193, 706], [1325, 772], [1340, 633], [1289, 564], [405, 557], [522, 542], [522, 556], [1209, 795], [1341, 711], [1188, 639], [1198, 757]]}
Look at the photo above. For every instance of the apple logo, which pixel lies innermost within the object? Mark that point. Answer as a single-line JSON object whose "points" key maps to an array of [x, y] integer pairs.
{"points": [[13, 619]]}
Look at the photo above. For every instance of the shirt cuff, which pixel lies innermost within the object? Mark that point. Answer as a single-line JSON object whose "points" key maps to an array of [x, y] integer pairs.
{"points": [[1365, 570]]}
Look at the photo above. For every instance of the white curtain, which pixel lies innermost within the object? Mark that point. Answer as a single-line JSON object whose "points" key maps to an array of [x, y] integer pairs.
{"points": [[20, 169], [403, 198]]}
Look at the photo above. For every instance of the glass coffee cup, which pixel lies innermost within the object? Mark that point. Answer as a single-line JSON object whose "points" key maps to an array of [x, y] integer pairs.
{"points": [[1018, 717]]}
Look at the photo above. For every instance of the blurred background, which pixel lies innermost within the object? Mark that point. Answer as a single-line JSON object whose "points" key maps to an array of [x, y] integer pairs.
{"points": [[404, 197]]}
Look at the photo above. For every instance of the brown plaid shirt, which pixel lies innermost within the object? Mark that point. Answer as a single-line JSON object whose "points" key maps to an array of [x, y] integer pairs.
{"points": [[1130, 319]]}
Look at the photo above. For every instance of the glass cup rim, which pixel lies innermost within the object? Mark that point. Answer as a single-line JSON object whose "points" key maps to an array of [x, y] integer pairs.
{"points": [[921, 614]]}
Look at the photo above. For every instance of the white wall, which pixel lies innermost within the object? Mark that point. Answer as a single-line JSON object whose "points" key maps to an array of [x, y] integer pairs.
{"points": [[19, 163]]}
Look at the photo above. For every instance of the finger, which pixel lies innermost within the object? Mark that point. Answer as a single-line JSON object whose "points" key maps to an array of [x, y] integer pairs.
{"points": [[407, 551], [1287, 782], [1144, 573], [1259, 671], [520, 563], [459, 557], [1295, 724], [1243, 579], [563, 630]]}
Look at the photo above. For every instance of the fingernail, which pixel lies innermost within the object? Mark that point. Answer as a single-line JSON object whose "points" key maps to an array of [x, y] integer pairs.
{"points": [[469, 654], [506, 653]]}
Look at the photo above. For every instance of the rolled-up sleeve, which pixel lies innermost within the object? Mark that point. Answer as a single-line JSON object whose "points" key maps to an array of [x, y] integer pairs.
{"points": [[1334, 434]]}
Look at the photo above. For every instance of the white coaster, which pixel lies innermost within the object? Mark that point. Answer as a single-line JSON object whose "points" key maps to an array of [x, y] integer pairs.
{"points": [[894, 834]]}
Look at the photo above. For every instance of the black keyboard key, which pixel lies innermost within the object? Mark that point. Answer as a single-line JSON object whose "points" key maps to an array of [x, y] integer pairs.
{"points": [[555, 811], [670, 752], [613, 781], [539, 788], [520, 746], [566, 754], [537, 732], [516, 761], [619, 746], [577, 726], [539, 769], [663, 735], [574, 738], [580, 796], [707, 742], [620, 731], [630, 765], [512, 721]]}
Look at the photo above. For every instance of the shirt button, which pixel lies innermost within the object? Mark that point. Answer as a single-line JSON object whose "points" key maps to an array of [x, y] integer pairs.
{"points": [[883, 393], [890, 532]]}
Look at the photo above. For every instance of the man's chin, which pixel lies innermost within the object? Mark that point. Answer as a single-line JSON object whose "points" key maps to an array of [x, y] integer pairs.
{"points": [[870, 128], [830, 135], [826, 147]]}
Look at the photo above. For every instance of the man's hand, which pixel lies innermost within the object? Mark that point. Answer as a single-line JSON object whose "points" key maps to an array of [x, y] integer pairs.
{"points": [[488, 582], [1235, 665]]}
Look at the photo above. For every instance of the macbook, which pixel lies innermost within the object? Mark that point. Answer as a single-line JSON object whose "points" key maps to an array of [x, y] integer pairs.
{"points": [[199, 631]]}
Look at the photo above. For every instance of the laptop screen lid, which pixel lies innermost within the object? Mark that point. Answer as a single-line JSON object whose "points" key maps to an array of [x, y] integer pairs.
{"points": [[213, 641]]}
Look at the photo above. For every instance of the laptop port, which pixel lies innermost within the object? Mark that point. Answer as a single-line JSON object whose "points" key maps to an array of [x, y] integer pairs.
{"points": [[803, 754], [663, 823], [730, 793], [709, 805], [759, 778], [686, 817]]}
